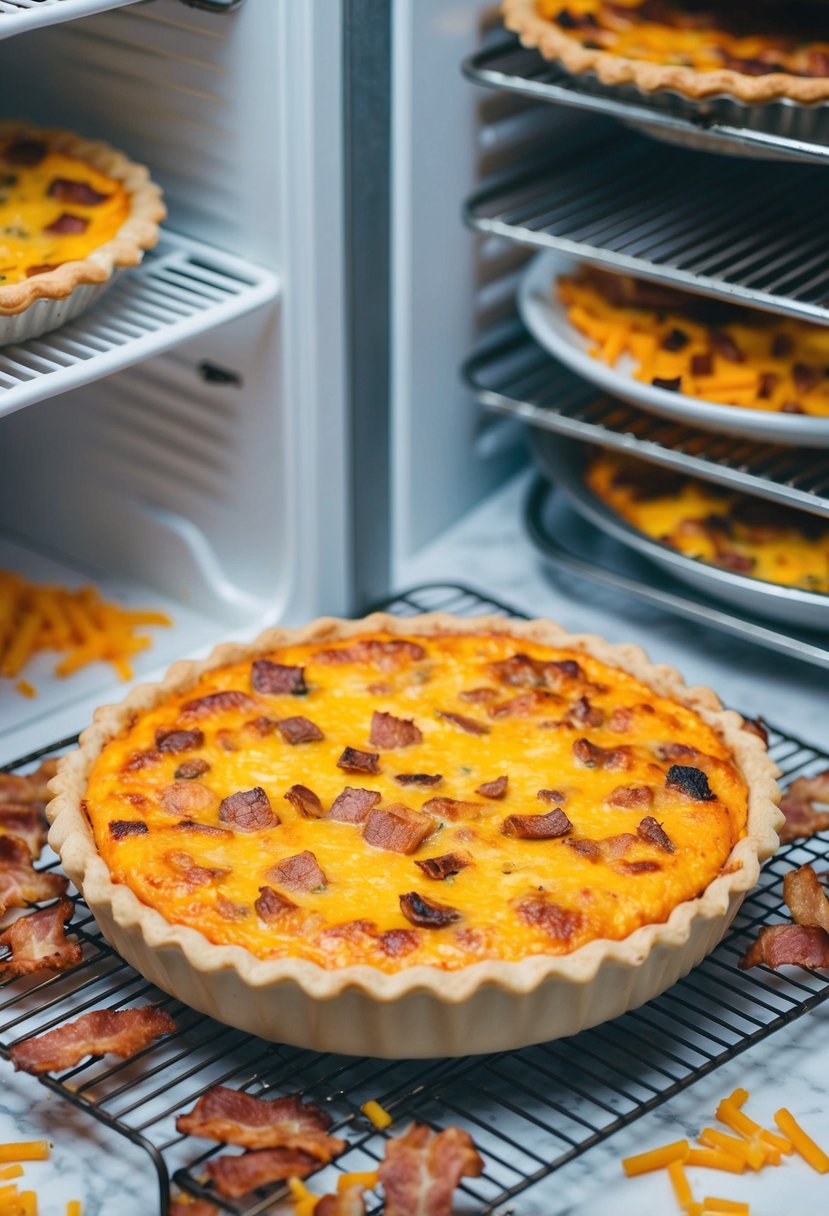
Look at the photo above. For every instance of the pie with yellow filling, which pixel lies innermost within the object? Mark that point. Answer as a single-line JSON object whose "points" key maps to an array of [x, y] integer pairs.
{"points": [[71, 212], [428, 805], [756, 52]]}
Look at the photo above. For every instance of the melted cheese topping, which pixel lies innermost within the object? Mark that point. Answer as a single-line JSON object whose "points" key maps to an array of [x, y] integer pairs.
{"points": [[734, 531], [28, 209], [501, 896], [703, 35]]}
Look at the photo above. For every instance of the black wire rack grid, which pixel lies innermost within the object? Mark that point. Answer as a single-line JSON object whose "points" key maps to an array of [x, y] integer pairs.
{"points": [[529, 1112]]}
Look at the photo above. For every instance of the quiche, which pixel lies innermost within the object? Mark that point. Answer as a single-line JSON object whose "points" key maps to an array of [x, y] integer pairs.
{"points": [[398, 805], [737, 532], [756, 52], [71, 211]]}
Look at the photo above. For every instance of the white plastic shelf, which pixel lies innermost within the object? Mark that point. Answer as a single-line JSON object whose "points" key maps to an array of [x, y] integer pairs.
{"points": [[17, 16], [181, 289]]}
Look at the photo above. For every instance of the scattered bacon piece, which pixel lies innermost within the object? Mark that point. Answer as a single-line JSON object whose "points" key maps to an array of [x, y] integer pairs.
{"points": [[38, 941], [305, 801], [20, 882], [79, 193], [444, 866], [218, 702], [271, 905], [723, 343], [452, 808], [299, 730], [800, 806], [552, 797], [348, 1202], [25, 821], [621, 719], [190, 769], [418, 778], [639, 867], [33, 787], [422, 1168], [188, 798], [523, 672], [397, 943], [179, 740], [387, 731], [494, 789], [353, 805], [637, 797], [355, 761], [233, 1117], [187, 867], [141, 760], [806, 898], [582, 713], [203, 829], [677, 751], [467, 724], [119, 829], [298, 873], [356, 931], [479, 696], [690, 781], [397, 828], [385, 656], [795, 945], [537, 827], [228, 910], [122, 1032], [525, 704], [609, 848], [427, 913], [277, 679], [261, 726], [67, 224], [235, 1176], [653, 833], [248, 810], [540, 913], [592, 756]]}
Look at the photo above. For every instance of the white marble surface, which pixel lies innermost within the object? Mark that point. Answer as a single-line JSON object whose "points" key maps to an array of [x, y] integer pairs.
{"points": [[489, 551]]}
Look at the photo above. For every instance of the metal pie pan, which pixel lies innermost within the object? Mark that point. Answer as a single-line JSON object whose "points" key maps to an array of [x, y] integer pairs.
{"points": [[563, 461], [547, 321]]}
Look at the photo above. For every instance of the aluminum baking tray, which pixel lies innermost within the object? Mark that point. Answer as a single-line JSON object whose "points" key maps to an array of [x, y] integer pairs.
{"points": [[777, 130], [562, 460], [547, 320], [570, 543]]}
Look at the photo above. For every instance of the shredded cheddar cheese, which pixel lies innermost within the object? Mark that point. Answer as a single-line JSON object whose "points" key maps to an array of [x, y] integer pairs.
{"points": [[304, 1200], [656, 1158], [715, 1159], [368, 1180], [377, 1115], [11, 1171], [73, 1207], [26, 1150], [681, 1186], [724, 1207], [801, 1142]]}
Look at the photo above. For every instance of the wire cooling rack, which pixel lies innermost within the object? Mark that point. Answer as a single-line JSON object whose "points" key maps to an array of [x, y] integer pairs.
{"points": [[528, 1111]]}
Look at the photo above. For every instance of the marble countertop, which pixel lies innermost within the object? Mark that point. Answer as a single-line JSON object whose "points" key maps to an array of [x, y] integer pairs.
{"points": [[489, 551]]}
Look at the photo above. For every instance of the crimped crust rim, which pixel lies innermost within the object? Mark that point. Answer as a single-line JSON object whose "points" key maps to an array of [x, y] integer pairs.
{"points": [[522, 17], [139, 231], [71, 834]]}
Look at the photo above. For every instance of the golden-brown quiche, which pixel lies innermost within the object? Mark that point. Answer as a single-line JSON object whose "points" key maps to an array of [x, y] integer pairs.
{"points": [[439, 813], [755, 51]]}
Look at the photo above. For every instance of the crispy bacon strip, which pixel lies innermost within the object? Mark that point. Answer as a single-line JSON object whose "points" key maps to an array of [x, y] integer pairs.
{"points": [[232, 1117], [801, 805], [39, 941], [397, 828], [421, 1170], [20, 882], [788, 945], [30, 788], [387, 731], [348, 1202], [122, 1032], [26, 821], [235, 1176], [806, 898]]}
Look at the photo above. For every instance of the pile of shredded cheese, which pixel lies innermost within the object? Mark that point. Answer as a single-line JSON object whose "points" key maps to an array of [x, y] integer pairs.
{"points": [[13, 1201], [78, 625], [753, 1147]]}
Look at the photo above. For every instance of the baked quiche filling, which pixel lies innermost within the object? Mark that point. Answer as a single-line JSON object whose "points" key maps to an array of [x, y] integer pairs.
{"points": [[54, 208], [734, 531], [434, 800]]}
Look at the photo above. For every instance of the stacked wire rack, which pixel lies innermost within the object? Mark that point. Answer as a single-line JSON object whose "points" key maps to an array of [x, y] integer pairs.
{"points": [[529, 1112]]}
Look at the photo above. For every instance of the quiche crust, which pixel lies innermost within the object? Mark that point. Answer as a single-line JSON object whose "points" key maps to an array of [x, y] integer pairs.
{"points": [[555, 43], [423, 1010], [139, 231]]}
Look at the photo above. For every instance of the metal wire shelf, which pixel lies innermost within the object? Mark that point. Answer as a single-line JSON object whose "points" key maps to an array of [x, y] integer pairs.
{"points": [[18, 16], [530, 1112], [780, 129], [721, 226], [513, 375]]}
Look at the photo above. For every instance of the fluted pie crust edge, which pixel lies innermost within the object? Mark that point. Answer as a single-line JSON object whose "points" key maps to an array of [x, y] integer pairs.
{"points": [[421, 1010]]}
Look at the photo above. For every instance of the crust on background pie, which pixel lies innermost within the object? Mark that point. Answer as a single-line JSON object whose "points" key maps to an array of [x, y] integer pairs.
{"points": [[553, 42], [138, 232], [116, 904]]}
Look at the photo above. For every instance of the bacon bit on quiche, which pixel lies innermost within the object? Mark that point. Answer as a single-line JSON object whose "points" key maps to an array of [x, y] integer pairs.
{"points": [[298, 873], [397, 828], [537, 827], [247, 810], [355, 761], [20, 882], [68, 224], [38, 941], [552, 797], [795, 945], [444, 866], [521, 671], [305, 801], [233, 1177], [233, 1117], [689, 781], [479, 696], [272, 905], [495, 789], [26, 822], [610, 848], [299, 730], [277, 679], [119, 829], [582, 713], [470, 725], [637, 797], [452, 808], [188, 868], [418, 778], [121, 1032], [397, 943], [653, 833], [677, 751], [202, 829], [81, 194], [261, 727], [187, 798], [188, 770], [639, 867], [538, 911], [421, 1170], [388, 655], [526, 704], [32, 787], [388, 732], [179, 740], [805, 897], [230, 911], [217, 703], [141, 760], [427, 913], [353, 805], [801, 804], [592, 756]]}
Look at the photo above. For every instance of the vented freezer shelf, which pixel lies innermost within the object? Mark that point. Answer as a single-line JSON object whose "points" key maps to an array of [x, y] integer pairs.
{"points": [[513, 375], [180, 290], [17, 16], [739, 230]]}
